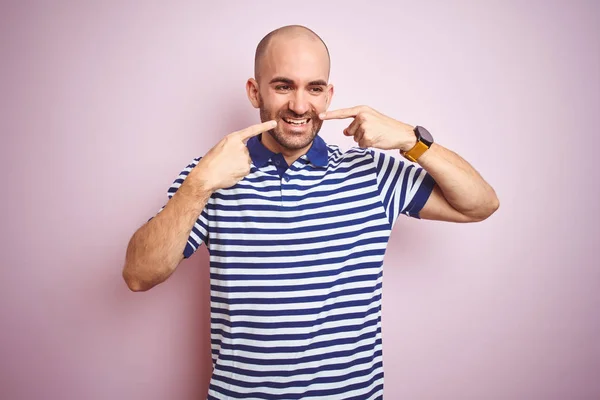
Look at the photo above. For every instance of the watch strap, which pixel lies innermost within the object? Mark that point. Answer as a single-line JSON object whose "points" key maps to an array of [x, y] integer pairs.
{"points": [[416, 152]]}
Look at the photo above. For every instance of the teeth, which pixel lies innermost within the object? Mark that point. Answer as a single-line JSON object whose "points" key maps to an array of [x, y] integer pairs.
{"points": [[295, 121]]}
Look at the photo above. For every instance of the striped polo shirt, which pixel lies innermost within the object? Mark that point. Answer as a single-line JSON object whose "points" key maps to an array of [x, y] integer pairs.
{"points": [[296, 266]]}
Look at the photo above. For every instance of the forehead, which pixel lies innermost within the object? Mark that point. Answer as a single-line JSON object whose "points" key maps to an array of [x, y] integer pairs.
{"points": [[299, 59]]}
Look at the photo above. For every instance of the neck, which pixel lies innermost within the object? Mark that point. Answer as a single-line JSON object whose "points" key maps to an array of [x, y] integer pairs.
{"points": [[290, 155]]}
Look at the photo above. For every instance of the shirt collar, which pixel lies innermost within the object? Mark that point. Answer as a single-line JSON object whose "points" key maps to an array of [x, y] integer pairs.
{"points": [[260, 155]]}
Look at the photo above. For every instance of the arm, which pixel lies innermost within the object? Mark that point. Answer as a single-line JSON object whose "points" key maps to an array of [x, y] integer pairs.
{"points": [[156, 249], [460, 193]]}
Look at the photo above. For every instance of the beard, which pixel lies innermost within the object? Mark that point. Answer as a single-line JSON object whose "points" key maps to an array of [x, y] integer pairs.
{"points": [[287, 138]]}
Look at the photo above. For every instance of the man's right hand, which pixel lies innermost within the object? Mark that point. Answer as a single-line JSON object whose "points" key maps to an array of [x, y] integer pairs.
{"points": [[228, 161]]}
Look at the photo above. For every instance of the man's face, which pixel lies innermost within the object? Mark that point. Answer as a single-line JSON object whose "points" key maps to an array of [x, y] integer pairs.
{"points": [[293, 90]]}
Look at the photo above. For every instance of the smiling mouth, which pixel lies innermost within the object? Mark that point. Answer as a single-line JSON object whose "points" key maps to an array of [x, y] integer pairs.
{"points": [[296, 122]]}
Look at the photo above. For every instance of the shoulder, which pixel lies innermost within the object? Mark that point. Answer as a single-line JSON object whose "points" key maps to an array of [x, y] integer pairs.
{"points": [[182, 176], [379, 161], [354, 154]]}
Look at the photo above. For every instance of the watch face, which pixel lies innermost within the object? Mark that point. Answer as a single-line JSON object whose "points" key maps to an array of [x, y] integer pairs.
{"points": [[425, 135]]}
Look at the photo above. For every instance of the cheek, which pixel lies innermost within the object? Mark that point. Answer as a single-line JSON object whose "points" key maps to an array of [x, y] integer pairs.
{"points": [[274, 103], [320, 103]]}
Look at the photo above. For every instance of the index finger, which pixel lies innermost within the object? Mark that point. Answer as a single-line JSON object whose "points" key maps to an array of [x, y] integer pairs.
{"points": [[341, 113], [255, 130]]}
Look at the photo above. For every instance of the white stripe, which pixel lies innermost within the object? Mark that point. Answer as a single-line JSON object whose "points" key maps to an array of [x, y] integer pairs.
{"points": [[303, 235], [296, 258], [288, 214], [314, 329], [269, 246], [297, 223], [306, 377], [307, 365], [296, 270], [275, 306], [299, 390], [295, 293]]}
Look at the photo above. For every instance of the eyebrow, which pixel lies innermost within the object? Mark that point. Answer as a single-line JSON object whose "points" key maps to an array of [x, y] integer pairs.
{"points": [[281, 79]]}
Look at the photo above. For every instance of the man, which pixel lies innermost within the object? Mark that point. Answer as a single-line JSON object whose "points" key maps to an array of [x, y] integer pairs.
{"points": [[297, 230]]}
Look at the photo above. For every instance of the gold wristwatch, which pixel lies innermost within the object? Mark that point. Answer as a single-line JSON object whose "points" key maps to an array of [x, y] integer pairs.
{"points": [[424, 142]]}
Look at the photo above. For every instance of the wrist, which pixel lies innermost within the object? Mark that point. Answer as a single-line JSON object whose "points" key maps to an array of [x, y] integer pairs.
{"points": [[422, 143], [202, 185], [410, 142]]}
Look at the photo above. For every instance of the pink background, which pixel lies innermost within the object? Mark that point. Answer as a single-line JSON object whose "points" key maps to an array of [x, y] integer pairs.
{"points": [[103, 104]]}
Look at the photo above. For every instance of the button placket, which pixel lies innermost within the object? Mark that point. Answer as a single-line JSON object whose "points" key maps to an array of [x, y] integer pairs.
{"points": [[285, 196]]}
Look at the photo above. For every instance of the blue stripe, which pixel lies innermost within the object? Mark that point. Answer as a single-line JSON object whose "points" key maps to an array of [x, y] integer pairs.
{"points": [[259, 176], [417, 203], [297, 253], [296, 264], [250, 288], [392, 184], [323, 180], [298, 275], [299, 229], [294, 324], [376, 389], [297, 349], [313, 393], [301, 360], [216, 207], [295, 218], [233, 336], [403, 189], [276, 193], [304, 383], [301, 371], [304, 240], [297, 312], [299, 299]]}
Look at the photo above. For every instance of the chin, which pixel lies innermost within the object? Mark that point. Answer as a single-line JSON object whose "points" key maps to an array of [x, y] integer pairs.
{"points": [[294, 140]]}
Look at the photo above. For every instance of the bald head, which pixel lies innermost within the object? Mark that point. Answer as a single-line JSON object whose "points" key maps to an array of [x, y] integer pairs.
{"points": [[284, 35]]}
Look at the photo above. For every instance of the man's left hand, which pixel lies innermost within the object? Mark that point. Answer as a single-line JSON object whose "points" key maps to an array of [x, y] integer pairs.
{"points": [[370, 128]]}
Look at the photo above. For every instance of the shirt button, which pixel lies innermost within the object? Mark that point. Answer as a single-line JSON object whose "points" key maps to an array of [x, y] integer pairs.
{"points": [[277, 162], [286, 178]]}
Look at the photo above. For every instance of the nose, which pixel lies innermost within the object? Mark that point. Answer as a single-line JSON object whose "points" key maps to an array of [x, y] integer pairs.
{"points": [[299, 103]]}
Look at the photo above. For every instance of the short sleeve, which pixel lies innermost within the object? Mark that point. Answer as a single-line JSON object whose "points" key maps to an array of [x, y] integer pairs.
{"points": [[404, 187], [199, 232]]}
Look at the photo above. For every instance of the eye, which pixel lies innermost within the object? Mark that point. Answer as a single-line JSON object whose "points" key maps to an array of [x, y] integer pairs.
{"points": [[316, 89], [282, 87]]}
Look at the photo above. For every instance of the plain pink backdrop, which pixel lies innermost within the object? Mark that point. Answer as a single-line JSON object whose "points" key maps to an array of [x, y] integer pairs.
{"points": [[103, 103]]}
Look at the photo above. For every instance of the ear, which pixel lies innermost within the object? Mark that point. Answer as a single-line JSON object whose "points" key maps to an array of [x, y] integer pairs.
{"points": [[252, 91], [328, 95]]}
